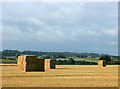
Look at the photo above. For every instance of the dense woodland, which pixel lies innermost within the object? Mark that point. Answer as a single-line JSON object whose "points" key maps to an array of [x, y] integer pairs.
{"points": [[90, 58]]}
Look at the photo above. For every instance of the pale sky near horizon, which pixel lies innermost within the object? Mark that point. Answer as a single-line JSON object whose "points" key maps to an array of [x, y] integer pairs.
{"points": [[73, 27]]}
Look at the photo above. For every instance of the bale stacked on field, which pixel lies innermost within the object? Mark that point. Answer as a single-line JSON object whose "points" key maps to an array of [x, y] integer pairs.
{"points": [[32, 63], [40, 64], [102, 63], [50, 64], [53, 63], [47, 64], [27, 63]]}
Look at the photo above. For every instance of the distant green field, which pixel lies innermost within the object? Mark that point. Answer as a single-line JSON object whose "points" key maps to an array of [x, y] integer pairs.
{"points": [[6, 61], [10, 56]]}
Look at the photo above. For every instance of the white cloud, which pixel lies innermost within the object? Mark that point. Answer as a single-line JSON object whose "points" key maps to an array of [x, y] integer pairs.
{"points": [[111, 32], [92, 32]]}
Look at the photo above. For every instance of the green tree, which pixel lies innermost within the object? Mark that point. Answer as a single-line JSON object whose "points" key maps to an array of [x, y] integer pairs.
{"points": [[59, 62], [71, 61], [17, 55], [4, 57], [105, 57]]}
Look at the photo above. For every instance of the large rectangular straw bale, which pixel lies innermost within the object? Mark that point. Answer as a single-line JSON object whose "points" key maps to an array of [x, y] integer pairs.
{"points": [[40, 64], [31, 59], [27, 63], [50, 64], [102, 63], [21, 63], [47, 64], [31, 67], [22, 68], [53, 63]]}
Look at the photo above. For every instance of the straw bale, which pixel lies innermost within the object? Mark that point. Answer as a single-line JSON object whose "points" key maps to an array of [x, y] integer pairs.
{"points": [[31, 59], [47, 64], [27, 63], [53, 63], [31, 67], [22, 68], [102, 63], [50, 64], [40, 64], [32, 63]]}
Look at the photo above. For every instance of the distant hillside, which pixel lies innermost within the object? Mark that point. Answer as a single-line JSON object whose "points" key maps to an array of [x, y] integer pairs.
{"points": [[54, 54]]}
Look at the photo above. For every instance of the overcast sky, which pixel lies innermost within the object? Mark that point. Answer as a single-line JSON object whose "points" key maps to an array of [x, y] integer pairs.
{"points": [[72, 27]]}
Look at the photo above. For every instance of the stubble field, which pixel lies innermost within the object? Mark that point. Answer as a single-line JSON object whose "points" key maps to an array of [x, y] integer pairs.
{"points": [[62, 76]]}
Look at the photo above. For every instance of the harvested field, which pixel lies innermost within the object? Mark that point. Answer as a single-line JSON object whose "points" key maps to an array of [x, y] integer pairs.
{"points": [[62, 76]]}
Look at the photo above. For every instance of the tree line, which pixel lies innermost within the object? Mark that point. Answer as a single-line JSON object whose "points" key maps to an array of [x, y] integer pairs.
{"points": [[53, 54], [67, 56], [71, 61]]}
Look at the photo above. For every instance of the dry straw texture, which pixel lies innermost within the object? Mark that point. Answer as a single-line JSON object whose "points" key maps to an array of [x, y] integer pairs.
{"points": [[27, 63], [62, 76], [32, 63], [102, 63], [50, 64], [47, 64]]}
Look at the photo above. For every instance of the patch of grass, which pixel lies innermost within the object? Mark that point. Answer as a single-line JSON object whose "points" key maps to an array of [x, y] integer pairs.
{"points": [[10, 56]]}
